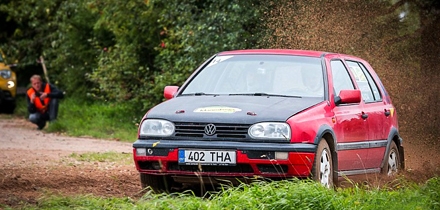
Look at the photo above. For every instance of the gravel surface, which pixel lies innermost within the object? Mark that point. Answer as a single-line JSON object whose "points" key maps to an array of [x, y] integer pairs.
{"points": [[34, 164]]}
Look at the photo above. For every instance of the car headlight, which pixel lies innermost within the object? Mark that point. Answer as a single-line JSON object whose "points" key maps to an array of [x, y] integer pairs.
{"points": [[11, 84], [161, 128], [6, 74], [270, 130]]}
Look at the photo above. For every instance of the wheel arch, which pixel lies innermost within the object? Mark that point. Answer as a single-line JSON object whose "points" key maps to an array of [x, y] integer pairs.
{"points": [[326, 132], [394, 136]]}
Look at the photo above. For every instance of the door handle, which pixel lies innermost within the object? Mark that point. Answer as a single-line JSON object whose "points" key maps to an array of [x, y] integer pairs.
{"points": [[387, 112], [364, 115]]}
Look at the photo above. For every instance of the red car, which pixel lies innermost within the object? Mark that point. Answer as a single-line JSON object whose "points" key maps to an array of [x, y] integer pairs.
{"points": [[271, 114]]}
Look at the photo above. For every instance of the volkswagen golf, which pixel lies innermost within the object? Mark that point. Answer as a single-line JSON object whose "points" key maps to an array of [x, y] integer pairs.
{"points": [[270, 114]]}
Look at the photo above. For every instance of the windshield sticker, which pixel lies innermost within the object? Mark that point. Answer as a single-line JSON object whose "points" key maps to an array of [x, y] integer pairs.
{"points": [[218, 59], [217, 109]]}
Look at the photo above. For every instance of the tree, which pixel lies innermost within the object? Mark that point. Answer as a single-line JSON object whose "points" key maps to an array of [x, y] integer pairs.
{"points": [[160, 43], [61, 31]]}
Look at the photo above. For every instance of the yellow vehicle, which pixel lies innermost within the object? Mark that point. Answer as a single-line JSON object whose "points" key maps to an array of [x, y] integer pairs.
{"points": [[8, 87]]}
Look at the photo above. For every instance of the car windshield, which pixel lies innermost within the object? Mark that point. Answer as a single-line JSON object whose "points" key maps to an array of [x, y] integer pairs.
{"points": [[263, 75]]}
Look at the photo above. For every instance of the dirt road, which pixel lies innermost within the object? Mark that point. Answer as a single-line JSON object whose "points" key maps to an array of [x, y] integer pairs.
{"points": [[34, 163]]}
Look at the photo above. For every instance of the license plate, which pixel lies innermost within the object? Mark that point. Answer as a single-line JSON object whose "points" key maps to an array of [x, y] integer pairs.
{"points": [[206, 157]]}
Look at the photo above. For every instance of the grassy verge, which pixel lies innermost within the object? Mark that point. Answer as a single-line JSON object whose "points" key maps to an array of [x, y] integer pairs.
{"points": [[98, 120], [288, 194], [120, 158]]}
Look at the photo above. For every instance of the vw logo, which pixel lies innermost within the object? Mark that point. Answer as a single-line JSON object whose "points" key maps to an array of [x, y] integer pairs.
{"points": [[210, 129]]}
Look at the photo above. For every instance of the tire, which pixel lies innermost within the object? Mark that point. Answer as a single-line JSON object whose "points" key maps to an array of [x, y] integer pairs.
{"points": [[322, 171], [157, 183], [392, 161]]}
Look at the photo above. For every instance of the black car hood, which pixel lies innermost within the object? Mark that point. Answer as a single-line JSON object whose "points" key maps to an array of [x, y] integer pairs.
{"points": [[230, 109]]}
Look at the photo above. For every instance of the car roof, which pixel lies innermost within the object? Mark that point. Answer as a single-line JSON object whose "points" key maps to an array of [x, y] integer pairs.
{"points": [[309, 53]]}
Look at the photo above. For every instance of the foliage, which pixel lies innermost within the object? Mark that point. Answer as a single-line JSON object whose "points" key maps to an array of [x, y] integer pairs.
{"points": [[21, 109], [175, 37], [72, 54], [195, 30], [34, 19], [286, 194], [118, 121], [125, 50], [61, 32], [432, 191], [124, 70], [100, 120]]}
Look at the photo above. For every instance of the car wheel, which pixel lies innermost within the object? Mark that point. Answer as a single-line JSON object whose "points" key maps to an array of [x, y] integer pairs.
{"points": [[157, 183], [322, 170], [392, 161]]}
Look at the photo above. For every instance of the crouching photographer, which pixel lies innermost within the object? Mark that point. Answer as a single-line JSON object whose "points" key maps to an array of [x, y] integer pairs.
{"points": [[42, 99]]}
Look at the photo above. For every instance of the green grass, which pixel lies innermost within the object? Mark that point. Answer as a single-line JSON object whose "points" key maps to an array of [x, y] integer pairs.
{"points": [[126, 158], [98, 120], [287, 194]]}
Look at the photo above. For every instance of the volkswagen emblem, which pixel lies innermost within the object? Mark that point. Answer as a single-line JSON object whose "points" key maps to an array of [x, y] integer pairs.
{"points": [[210, 129]]}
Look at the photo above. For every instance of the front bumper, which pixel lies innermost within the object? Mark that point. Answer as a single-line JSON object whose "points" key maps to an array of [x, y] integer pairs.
{"points": [[7, 96], [253, 159]]}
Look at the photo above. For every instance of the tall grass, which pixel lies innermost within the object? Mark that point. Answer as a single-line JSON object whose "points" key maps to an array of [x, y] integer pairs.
{"points": [[287, 194], [97, 119]]}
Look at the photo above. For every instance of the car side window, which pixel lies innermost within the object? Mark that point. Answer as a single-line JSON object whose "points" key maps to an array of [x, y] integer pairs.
{"points": [[373, 85], [365, 82], [362, 82], [341, 78]]}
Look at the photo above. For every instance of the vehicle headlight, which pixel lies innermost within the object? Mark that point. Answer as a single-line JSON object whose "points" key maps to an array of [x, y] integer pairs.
{"points": [[270, 130], [160, 128], [11, 84], [6, 74]]}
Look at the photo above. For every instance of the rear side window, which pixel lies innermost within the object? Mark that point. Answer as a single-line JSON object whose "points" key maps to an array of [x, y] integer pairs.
{"points": [[369, 90], [341, 78]]}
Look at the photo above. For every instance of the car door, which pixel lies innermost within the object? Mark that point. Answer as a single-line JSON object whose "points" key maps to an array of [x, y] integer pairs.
{"points": [[376, 112], [350, 127]]}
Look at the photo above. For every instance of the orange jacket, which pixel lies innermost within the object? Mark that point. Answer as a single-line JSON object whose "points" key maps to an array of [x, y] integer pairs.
{"points": [[40, 105]]}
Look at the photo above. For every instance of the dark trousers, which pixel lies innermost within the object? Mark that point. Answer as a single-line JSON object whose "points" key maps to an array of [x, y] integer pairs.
{"points": [[50, 115]]}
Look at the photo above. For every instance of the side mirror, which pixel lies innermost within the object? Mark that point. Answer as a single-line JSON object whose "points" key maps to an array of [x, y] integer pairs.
{"points": [[169, 91], [348, 97]]}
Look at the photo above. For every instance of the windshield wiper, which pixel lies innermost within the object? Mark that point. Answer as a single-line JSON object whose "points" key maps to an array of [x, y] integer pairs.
{"points": [[263, 94], [199, 94]]}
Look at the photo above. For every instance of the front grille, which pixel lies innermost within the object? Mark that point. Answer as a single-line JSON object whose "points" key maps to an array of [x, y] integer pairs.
{"points": [[157, 152], [7, 93], [239, 168], [149, 165], [273, 169], [260, 154], [197, 130]]}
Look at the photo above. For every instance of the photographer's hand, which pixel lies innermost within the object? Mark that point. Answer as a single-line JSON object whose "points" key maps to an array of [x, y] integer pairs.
{"points": [[43, 96], [33, 97]]}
